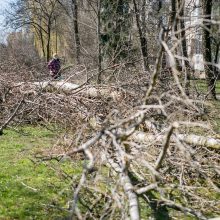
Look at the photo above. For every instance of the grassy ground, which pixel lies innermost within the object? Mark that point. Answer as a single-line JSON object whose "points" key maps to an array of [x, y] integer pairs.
{"points": [[212, 107], [201, 86], [30, 190]]}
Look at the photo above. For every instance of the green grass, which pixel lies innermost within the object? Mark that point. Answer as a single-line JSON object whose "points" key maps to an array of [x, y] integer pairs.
{"points": [[201, 85], [30, 190], [212, 106]]}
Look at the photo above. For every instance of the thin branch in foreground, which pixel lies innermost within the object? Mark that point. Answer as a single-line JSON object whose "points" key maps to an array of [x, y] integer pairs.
{"points": [[11, 117], [165, 146]]}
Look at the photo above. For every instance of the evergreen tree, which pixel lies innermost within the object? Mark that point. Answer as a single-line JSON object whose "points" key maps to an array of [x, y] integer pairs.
{"points": [[116, 22]]}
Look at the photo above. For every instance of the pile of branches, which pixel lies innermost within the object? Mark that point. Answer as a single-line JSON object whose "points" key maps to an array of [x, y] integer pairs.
{"points": [[147, 164], [59, 103], [140, 160], [13, 70]]}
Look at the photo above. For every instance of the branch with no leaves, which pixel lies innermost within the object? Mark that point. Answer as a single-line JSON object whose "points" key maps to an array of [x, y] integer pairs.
{"points": [[12, 116], [165, 146]]}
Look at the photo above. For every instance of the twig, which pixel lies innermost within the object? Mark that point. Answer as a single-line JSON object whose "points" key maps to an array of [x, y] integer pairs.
{"points": [[165, 146]]}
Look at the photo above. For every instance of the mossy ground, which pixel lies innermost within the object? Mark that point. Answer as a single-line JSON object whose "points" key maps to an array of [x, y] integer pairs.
{"points": [[30, 190]]}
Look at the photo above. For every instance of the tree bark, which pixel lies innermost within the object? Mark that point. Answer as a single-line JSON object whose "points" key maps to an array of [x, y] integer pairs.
{"points": [[67, 88], [207, 53], [184, 45], [216, 69], [99, 42], [175, 23], [132, 197], [76, 29], [48, 39], [143, 40], [191, 139]]}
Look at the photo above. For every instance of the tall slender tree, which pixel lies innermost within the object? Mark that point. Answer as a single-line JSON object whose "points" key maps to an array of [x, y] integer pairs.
{"points": [[207, 52], [99, 40], [76, 29], [181, 4], [142, 34]]}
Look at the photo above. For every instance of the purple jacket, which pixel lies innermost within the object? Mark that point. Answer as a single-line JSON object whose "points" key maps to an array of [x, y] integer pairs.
{"points": [[54, 66]]}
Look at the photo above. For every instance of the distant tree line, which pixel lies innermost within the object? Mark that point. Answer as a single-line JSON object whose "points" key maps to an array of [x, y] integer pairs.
{"points": [[105, 33]]}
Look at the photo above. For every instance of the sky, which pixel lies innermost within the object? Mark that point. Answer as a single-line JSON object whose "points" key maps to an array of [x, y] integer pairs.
{"points": [[4, 4]]}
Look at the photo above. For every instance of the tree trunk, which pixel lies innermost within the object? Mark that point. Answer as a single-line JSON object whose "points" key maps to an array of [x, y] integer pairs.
{"points": [[56, 37], [99, 42], [143, 40], [175, 22], [132, 197], [48, 40], [42, 43], [207, 53], [68, 88], [190, 139], [76, 30], [41, 38], [216, 69], [184, 45]]}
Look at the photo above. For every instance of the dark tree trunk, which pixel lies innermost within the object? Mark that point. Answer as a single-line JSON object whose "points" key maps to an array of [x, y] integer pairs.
{"points": [[143, 40], [207, 53], [40, 35], [56, 37], [48, 40], [159, 7], [184, 46], [173, 15], [216, 69], [175, 22], [76, 30], [99, 42]]}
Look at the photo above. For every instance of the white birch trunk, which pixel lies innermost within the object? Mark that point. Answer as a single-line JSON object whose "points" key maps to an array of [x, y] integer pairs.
{"points": [[67, 87], [191, 139], [132, 197]]}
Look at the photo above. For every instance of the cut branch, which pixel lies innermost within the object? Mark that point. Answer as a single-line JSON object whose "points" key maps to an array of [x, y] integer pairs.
{"points": [[68, 88], [191, 139]]}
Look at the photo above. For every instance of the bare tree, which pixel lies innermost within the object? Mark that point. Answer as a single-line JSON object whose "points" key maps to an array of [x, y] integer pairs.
{"points": [[40, 16], [207, 52], [188, 69], [76, 29], [99, 40], [142, 34]]}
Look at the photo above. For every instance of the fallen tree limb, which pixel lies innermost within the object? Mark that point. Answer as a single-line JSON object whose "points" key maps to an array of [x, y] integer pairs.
{"points": [[183, 209], [166, 144], [68, 88], [132, 196], [200, 140], [191, 139], [149, 138]]}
